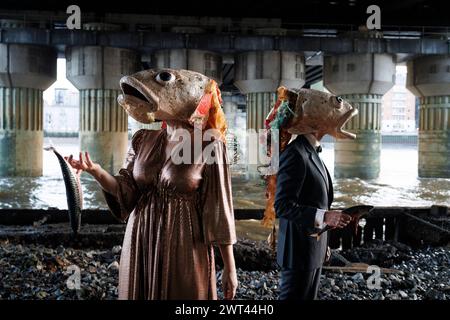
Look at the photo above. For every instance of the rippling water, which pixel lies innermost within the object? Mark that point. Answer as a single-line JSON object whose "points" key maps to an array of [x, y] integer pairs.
{"points": [[398, 184]]}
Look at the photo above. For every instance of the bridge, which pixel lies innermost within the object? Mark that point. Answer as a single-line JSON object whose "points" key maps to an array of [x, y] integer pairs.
{"points": [[250, 56]]}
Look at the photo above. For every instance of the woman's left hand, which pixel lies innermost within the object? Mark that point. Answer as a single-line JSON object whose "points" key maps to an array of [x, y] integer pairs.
{"points": [[229, 283]]}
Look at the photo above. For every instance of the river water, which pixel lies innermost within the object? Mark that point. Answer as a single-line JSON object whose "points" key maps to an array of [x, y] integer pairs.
{"points": [[398, 184]]}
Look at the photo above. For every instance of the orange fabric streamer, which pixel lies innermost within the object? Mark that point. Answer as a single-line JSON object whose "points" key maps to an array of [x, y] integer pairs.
{"points": [[271, 180], [209, 113]]}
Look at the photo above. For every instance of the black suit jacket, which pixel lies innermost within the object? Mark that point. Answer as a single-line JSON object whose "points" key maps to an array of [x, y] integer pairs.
{"points": [[303, 185]]}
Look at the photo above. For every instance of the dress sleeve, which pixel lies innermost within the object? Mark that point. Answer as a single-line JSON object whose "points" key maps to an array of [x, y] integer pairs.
{"points": [[128, 194], [217, 200]]}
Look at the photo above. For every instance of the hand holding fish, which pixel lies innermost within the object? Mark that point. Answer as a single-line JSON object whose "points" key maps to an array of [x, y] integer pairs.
{"points": [[83, 164], [336, 219], [106, 180]]}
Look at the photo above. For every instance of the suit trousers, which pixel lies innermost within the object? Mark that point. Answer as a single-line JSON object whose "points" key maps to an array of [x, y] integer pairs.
{"points": [[299, 284]]}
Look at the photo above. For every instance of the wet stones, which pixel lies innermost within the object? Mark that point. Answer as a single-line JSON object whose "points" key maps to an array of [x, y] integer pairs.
{"points": [[39, 272], [251, 255]]}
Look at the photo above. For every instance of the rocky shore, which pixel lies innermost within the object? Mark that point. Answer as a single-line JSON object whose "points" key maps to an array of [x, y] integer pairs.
{"points": [[31, 271]]}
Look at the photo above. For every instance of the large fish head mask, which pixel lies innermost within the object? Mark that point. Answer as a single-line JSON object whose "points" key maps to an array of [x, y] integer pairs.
{"points": [[323, 113], [162, 94]]}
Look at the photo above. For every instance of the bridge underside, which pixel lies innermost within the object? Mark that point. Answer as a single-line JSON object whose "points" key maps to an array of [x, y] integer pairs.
{"points": [[249, 51]]}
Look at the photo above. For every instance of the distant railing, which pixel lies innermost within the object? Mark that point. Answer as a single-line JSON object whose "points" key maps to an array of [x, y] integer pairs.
{"points": [[412, 226], [410, 139], [61, 134]]}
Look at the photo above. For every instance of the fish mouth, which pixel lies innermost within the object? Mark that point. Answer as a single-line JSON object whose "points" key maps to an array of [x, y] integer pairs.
{"points": [[138, 101], [345, 118]]}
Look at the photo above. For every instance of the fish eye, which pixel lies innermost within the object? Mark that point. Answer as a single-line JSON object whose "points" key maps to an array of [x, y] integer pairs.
{"points": [[164, 77], [339, 99]]}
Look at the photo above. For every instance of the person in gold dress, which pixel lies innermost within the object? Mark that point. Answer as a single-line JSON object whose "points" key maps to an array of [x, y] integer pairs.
{"points": [[175, 212]]}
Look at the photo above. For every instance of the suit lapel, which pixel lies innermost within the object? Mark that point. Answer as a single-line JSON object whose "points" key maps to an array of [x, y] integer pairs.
{"points": [[330, 187], [316, 160], [319, 165]]}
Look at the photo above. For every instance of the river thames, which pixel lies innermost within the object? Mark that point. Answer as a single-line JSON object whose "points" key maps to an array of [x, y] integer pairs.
{"points": [[397, 185]]}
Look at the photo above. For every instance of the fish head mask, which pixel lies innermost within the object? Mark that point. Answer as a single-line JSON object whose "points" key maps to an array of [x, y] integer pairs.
{"points": [[323, 113], [168, 94]]}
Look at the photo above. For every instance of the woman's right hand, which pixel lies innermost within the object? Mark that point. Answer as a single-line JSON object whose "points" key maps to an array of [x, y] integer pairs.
{"points": [[83, 164]]}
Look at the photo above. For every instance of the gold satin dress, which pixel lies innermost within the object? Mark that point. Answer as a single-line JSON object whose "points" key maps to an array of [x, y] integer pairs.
{"points": [[175, 214]]}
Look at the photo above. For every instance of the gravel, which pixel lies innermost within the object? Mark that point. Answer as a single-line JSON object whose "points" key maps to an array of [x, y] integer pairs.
{"points": [[39, 272]]}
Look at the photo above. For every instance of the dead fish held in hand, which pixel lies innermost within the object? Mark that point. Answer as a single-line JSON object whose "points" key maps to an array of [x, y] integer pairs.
{"points": [[356, 212], [74, 192]]}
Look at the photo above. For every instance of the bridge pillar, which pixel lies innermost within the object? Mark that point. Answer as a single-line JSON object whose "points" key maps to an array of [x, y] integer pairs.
{"points": [[205, 62], [362, 80], [258, 75], [429, 78], [25, 72], [95, 71]]}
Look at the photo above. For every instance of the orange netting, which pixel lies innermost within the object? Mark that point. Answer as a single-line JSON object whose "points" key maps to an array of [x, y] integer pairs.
{"points": [[271, 180], [209, 111]]}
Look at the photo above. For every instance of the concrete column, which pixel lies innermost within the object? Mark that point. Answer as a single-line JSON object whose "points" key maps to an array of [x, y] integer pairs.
{"points": [[205, 62], [229, 108], [429, 78], [258, 75], [136, 126], [362, 79], [258, 107], [361, 158], [25, 72], [95, 71]]}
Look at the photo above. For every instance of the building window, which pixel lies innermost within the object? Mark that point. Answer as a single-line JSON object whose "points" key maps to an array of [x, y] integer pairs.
{"points": [[60, 95], [399, 95], [335, 68], [399, 79]]}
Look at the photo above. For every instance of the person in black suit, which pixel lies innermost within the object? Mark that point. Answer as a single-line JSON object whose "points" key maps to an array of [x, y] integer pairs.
{"points": [[304, 194]]}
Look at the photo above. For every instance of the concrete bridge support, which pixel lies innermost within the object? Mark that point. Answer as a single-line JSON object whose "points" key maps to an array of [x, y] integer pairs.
{"points": [[429, 78], [206, 62], [25, 72], [362, 80], [95, 71], [258, 75]]}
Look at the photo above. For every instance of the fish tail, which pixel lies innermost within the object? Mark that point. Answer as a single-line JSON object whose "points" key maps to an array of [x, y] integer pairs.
{"points": [[49, 148]]}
